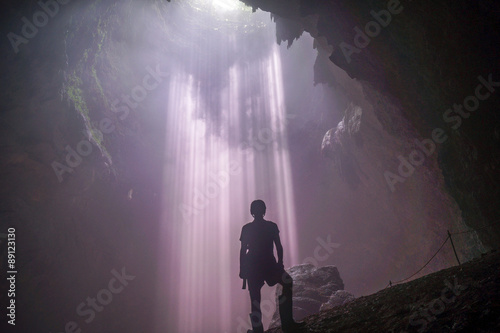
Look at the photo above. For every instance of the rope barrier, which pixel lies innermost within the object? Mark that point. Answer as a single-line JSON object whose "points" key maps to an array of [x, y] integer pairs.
{"points": [[428, 261], [390, 284]]}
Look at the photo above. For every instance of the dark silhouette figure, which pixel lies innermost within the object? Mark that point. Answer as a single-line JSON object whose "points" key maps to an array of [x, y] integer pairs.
{"points": [[258, 265]]}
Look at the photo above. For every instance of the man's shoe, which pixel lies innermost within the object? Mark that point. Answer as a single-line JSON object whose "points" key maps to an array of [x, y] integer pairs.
{"points": [[257, 327], [294, 327], [288, 325]]}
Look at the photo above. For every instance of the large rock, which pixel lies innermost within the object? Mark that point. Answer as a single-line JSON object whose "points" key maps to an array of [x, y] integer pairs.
{"points": [[313, 289], [338, 298]]}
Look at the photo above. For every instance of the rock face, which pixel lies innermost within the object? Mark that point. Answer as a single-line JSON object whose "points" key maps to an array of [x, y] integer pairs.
{"points": [[313, 289], [340, 142], [405, 90], [458, 299], [424, 84]]}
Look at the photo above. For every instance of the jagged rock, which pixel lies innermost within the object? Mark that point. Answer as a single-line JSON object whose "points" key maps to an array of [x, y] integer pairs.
{"points": [[340, 297], [340, 142], [347, 132], [312, 287]]}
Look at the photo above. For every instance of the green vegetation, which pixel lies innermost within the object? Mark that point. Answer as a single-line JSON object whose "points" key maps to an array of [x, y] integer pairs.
{"points": [[86, 66]]}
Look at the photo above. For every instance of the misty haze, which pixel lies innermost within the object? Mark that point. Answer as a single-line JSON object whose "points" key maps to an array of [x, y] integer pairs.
{"points": [[136, 135]]}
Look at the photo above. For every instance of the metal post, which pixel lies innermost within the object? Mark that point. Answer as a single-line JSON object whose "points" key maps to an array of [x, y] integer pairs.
{"points": [[453, 246]]}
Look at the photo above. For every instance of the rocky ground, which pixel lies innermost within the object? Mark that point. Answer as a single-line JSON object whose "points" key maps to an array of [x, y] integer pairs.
{"points": [[463, 298]]}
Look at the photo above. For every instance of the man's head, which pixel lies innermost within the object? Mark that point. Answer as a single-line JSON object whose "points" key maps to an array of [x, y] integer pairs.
{"points": [[258, 208]]}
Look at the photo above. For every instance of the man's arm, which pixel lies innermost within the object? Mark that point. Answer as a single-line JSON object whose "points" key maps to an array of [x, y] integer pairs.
{"points": [[279, 248], [243, 252]]}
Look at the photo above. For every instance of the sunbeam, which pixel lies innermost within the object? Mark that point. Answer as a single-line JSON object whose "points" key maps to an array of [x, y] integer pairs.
{"points": [[215, 166]]}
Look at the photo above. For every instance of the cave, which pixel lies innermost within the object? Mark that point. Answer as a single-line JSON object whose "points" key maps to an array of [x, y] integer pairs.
{"points": [[137, 133]]}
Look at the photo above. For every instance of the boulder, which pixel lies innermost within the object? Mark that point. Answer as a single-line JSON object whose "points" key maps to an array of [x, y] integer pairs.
{"points": [[314, 288]]}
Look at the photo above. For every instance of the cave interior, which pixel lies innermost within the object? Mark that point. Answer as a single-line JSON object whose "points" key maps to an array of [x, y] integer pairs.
{"points": [[135, 134]]}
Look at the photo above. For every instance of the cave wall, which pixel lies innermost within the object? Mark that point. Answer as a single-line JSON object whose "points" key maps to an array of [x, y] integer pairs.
{"points": [[426, 60], [341, 194], [77, 221], [428, 57]]}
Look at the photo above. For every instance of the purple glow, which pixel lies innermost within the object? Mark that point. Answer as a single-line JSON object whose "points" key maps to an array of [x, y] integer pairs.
{"points": [[210, 178]]}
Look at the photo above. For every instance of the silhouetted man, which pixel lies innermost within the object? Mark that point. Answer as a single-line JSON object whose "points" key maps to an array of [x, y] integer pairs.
{"points": [[258, 265]]}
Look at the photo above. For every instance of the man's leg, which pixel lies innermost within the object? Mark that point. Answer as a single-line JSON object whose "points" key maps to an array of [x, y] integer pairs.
{"points": [[286, 305], [256, 314], [286, 282]]}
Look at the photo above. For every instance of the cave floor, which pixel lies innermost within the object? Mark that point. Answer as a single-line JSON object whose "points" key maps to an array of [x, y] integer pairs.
{"points": [[463, 298]]}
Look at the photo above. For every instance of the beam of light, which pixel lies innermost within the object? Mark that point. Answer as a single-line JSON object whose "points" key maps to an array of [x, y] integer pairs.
{"points": [[210, 178], [219, 7], [226, 5]]}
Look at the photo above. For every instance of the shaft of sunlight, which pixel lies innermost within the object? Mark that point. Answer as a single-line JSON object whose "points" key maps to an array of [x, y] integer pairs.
{"points": [[210, 178]]}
